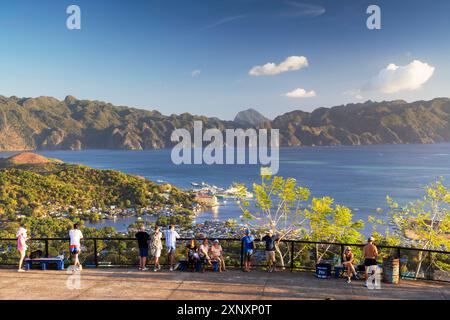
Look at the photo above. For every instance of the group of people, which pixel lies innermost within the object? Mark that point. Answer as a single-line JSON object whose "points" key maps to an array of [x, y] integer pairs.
{"points": [[75, 236], [202, 254], [152, 244], [370, 253]]}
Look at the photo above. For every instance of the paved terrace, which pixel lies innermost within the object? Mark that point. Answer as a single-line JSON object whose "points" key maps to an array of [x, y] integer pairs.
{"points": [[130, 284]]}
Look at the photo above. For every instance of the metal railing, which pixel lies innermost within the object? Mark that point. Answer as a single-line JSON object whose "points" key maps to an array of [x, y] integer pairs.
{"points": [[292, 254]]}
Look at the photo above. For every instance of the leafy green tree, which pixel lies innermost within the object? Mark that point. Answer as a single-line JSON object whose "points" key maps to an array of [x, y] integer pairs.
{"points": [[424, 223]]}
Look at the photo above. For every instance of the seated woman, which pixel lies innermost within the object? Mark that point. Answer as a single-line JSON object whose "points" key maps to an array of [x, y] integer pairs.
{"points": [[192, 255], [216, 255], [204, 252], [347, 261]]}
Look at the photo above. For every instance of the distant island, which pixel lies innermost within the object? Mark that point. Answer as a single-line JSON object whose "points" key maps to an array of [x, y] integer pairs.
{"points": [[46, 123]]}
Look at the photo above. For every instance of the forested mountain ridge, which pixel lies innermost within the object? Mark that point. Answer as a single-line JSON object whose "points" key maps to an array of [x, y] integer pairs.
{"points": [[45, 123]]}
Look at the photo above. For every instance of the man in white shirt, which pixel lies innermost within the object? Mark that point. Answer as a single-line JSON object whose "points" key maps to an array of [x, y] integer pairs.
{"points": [[75, 245], [171, 244]]}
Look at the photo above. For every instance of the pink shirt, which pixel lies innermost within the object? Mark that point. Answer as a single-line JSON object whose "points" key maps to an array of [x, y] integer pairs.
{"points": [[21, 243]]}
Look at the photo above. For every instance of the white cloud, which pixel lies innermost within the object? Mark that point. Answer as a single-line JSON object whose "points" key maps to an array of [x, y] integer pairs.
{"points": [[355, 94], [195, 73], [289, 64], [224, 20], [399, 78], [300, 9], [301, 93]]}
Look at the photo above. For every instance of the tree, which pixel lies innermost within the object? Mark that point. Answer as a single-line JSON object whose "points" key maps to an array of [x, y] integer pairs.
{"points": [[424, 222], [282, 205]]}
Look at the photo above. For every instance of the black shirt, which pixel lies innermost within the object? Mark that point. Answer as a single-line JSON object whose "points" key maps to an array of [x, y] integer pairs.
{"points": [[142, 238], [270, 242]]}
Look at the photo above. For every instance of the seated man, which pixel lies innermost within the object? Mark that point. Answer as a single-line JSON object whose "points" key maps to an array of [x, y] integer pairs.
{"points": [[347, 262]]}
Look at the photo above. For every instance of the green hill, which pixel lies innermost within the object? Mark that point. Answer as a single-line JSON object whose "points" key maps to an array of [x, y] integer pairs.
{"points": [[36, 189]]}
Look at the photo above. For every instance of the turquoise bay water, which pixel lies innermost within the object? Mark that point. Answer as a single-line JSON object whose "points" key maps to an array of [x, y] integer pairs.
{"points": [[357, 176]]}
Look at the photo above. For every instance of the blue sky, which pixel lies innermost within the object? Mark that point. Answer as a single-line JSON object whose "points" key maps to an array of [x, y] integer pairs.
{"points": [[195, 56]]}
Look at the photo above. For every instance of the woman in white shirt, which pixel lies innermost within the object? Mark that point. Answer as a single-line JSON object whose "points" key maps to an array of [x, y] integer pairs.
{"points": [[75, 245]]}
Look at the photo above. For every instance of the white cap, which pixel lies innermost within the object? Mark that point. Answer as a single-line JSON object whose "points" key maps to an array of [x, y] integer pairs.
{"points": [[21, 231]]}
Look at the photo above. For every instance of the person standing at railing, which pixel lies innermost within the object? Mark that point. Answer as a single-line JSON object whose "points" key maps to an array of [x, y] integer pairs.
{"points": [[75, 236], [270, 239], [156, 247], [370, 252], [22, 246], [248, 247], [143, 241], [171, 245]]}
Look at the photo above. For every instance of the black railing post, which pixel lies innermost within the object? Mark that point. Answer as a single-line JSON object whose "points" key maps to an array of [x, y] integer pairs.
{"points": [[46, 248], [430, 270], [317, 253], [95, 253], [292, 256], [242, 254]]}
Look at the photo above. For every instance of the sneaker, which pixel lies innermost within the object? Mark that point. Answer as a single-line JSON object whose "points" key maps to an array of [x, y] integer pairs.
{"points": [[356, 276], [140, 269], [20, 270], [155, 269], [176, 266], [80, 268], [144, 269], [159, 268], [349, 280], [171, 269]]}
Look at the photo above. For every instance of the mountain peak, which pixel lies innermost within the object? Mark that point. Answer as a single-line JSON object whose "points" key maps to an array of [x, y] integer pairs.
{"points": [[250, 117]]}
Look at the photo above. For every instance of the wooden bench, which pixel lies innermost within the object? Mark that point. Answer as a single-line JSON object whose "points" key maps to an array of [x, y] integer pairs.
{"points": [[44, 262]]}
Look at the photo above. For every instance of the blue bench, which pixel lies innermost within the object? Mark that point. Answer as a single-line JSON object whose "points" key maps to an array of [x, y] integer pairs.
{"points": [[44, 262]]}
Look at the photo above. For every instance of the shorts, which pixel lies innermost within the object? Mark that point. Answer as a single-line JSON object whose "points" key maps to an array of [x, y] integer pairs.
{"points": [[370, 262], [171, 249], [74, 249], [270, 255], [143, 252], [156, 252], [248, 253]]}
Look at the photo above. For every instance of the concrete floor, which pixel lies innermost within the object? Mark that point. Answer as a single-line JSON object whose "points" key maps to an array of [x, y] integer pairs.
{"points": [[128, 284]]}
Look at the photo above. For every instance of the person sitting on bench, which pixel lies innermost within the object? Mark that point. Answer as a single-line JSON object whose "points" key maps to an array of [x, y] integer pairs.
{"points": [[203, 253], [216, 251], [347, 262], [192, 256]]}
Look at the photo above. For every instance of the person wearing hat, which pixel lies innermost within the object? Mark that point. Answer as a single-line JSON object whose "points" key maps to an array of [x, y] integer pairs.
{"points": [[216, 254], [347, 262], [270, 240], [22, 246], [143, 239], [248, 247], [370, 252]]}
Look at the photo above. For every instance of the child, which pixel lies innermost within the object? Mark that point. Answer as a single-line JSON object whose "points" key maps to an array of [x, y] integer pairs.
{"points": [[22, 246]]}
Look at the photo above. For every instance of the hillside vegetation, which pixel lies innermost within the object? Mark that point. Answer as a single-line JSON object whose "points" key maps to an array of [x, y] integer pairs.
{"points": [[36, 189]]}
